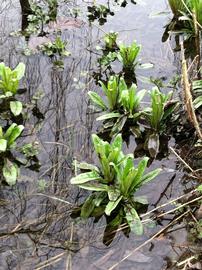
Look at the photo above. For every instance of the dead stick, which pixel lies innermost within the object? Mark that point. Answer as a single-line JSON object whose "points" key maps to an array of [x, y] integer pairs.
{"points": [[187, 95], [197, 43]]}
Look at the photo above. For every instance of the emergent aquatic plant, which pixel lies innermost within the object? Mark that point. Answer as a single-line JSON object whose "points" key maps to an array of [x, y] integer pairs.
{"points": [[9, 79], [40, 16], [99, 12], [56, 47], [110, 40], [114, 184], [187, 21], [157, 116], [187, 7], [127, 55], [9, 84], [123, 103], [8, 143]]}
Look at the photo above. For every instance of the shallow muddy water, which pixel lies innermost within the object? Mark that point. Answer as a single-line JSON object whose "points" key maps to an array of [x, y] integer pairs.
{"points": [[37, 231]]}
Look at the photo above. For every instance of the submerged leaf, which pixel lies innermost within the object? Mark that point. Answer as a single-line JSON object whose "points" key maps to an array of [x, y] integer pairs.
{"points": [[133, 220], [88, 207]]}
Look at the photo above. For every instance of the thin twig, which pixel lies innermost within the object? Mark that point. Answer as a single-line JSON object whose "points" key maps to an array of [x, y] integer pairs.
{"points": [[184, 162]]}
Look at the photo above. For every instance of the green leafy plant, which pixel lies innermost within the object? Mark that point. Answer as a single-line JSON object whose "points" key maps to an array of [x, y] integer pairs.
{"points": [[9, 79], [56, 47], [9, 163], [7, 143], [99, 12], [123, 103], [183, 23], [114, 183], [110, 40], [40, 16], [9, 84], [156, 117], [127, 55]]}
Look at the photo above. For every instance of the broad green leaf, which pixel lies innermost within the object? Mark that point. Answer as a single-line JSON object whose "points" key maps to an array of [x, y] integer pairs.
{"points": [[129, 181], [138, 178], [113, 194], [87, 166], [8, 94], [118, 126], [197, 102], [3, 145], [114, 156], [88, 207], [16, 107], [9, 131], [140, 199], [97, 143], [10, 172], [100, 198], [104, 88], [16, 131], [85, 177], [117, 142], [122, 85], [150, 176], [112, 205], [108, 116], [96, 99], [94, 187], [133, 220], [20, 70]]}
